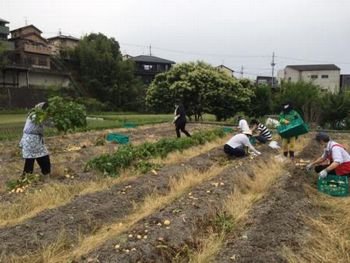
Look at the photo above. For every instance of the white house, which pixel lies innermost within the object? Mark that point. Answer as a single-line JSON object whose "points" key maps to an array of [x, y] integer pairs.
{"points": [[327, 76]]}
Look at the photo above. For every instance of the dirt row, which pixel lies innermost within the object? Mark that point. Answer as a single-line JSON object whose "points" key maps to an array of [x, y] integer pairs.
{"points": [[187, 216], [86, 214], [274, 222]]}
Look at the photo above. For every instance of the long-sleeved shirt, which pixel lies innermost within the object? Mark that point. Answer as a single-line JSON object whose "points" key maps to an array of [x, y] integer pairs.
{"points": [[241, 140]]}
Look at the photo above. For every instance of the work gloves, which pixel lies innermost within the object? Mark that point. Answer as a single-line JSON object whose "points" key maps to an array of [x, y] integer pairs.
{"points": [[308, 167], [323, 174]]}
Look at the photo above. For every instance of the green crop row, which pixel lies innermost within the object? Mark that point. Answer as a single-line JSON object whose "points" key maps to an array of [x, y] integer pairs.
{"points": [[136, 156]]}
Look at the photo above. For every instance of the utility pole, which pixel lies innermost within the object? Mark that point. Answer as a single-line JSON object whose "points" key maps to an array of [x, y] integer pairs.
{"points": [[242, 72], [25, 21], [273, 64], [150, 50]]}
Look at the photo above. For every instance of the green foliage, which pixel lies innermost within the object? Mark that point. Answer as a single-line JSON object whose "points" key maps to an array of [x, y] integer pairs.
{"points": [[138, 156], [103, 73], [66, 115], [335, 110], [201, 88], [304, 96], [24, 181], [261, 103], [224, 223]]}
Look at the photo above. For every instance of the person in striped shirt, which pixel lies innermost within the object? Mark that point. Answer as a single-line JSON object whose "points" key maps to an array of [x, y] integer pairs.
{"points": [[264, 133]]}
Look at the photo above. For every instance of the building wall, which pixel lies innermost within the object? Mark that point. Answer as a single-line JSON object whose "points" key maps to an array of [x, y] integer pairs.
{"points": [[57, 44], [330, 83], [39, 79], [326, 79], [226, 71], [35, 79], [291, 75]]}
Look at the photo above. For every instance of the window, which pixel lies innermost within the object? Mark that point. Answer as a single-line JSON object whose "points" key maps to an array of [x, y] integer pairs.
{"points": [[314, 76], [147, 67], [324, 76]]}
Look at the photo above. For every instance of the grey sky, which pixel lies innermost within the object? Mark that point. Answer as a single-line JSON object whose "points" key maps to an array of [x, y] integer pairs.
{"points": [[228, 32]]}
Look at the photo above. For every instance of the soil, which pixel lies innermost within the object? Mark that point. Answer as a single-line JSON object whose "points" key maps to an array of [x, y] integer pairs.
{"points": [[188, 214], [86, 214], [71, 152], [273, 222]]}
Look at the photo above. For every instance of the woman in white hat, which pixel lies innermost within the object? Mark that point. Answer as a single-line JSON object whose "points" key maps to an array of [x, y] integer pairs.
{"points": [[236, 145]]}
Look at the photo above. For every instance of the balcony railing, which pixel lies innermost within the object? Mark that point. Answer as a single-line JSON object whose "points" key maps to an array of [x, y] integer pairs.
{"points": [[37, 49]]}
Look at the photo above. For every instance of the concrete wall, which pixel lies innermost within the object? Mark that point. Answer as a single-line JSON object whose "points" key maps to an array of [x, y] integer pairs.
{"points": [[14, 78]]}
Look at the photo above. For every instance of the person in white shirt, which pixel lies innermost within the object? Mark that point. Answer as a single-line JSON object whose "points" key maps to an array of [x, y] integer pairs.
{"points": [[236, 145], [334, 160], [242, 124]]}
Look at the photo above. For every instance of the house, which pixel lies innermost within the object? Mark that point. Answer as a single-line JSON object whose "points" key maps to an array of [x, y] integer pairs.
{"points": [[30, 71], [4, 32], [327, 76], [61, 43], [147, 67], [344, 82], [226, 70], [31, 49], [267, 80]]}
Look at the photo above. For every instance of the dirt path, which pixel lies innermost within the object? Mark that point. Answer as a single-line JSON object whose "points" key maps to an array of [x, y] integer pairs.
{"points": [[87, 213]]}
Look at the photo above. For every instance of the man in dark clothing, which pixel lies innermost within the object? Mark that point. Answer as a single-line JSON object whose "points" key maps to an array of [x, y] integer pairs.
{"points": [[180, 120]]}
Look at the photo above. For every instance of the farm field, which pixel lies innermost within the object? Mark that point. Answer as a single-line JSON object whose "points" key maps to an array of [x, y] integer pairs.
{"points": [[193, 205]]}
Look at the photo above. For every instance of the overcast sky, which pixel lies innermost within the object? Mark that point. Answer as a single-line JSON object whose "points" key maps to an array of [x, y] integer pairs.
{"points": [[230, 32]]}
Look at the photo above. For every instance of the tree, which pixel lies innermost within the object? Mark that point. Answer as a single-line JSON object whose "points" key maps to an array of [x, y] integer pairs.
{"points": [[104, 74], [335, 109], [261, 103], [304, 96], [201, 88]]}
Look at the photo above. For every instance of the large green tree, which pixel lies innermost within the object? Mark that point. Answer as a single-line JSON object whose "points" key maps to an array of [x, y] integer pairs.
{"points": [[201, 88], [104, 74]]}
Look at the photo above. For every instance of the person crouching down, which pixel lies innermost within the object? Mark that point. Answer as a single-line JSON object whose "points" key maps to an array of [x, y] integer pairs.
{"points": [[334, 160], [236, 145], [32, 144], [264, 132]]}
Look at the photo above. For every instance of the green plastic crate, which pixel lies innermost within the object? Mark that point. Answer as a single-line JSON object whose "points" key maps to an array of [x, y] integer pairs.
{"points": [[119, 138], [334, 185], [227, 129], [252, 140], [129, 125], [295, 128]]}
